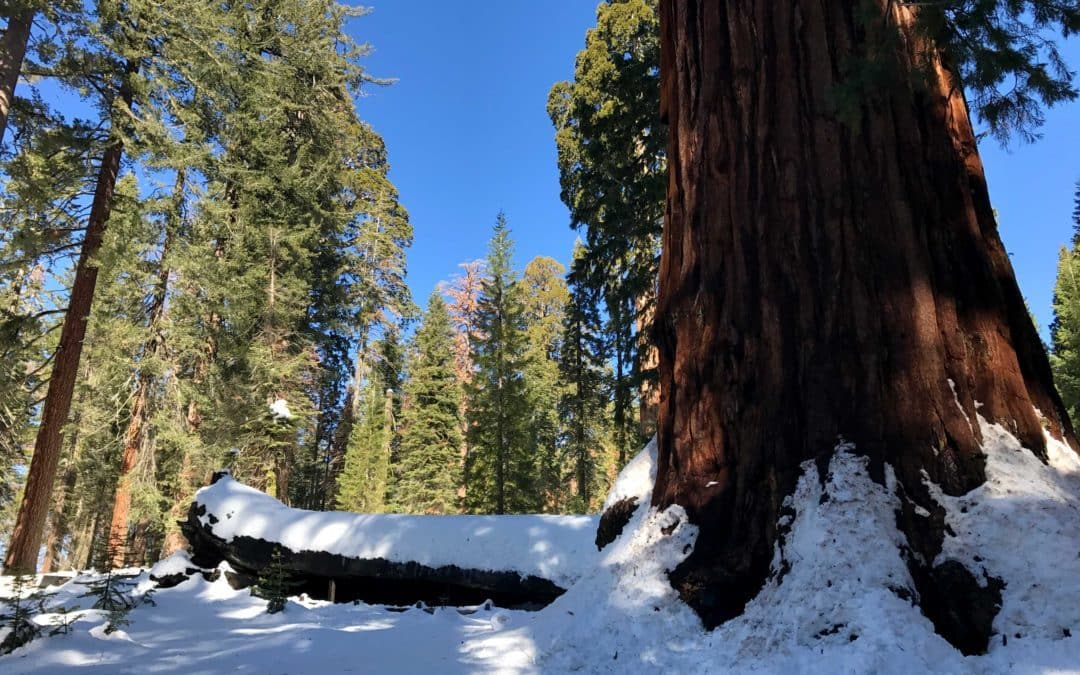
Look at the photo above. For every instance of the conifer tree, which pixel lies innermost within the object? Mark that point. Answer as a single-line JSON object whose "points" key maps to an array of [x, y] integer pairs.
{"points": [[428, 471], [463, 293], [126, 59], [544, 297], [1065, 329], [582, 403], [890, 318], [363, 484], [116, 41], [612, 170], [501, 469]]}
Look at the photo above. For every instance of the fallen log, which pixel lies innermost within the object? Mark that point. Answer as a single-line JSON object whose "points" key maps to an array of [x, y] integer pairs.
{"points": [[523, 561]]}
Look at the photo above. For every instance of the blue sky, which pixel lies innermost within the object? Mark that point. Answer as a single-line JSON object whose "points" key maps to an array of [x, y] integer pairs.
{"points": [[468, 134]]}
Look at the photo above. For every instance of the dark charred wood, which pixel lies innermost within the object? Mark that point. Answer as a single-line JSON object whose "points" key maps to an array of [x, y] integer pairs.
{"points": [[613, 520], [961, 609], [371, 580]]}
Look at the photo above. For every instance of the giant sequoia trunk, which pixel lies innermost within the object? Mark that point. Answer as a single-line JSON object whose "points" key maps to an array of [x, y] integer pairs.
{"points": [[22, 550], [823, 280], [12, 52]]}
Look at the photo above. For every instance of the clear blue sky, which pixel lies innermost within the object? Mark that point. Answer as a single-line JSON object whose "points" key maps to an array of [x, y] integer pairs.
{"points": [[468, 134]]}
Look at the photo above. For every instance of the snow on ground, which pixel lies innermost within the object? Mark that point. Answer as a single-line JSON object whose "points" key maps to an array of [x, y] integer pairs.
{"points": [[834, 611], [203, 627], [840, 607], [556, 548]]}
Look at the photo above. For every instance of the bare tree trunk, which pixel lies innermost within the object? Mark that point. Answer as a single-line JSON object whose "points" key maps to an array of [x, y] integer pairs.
{"points": [[25, 540], [12, 52], [820, 281]]}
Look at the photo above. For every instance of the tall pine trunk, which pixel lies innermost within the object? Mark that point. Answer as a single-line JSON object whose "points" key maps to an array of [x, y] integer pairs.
{"points": [[22, 551], [824, 281], [135, 434], [12, 52]]}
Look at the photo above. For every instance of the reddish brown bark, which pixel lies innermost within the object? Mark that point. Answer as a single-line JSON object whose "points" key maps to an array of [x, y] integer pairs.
{"points": [[12, 52], [22, 551], [822, 280], [135, 434]]}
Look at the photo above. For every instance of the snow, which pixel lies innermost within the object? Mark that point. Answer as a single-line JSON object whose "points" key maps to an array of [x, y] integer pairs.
{"points": [[203, 627], [177, 563], [839, 607], [280, 409], [636, 479], [1022, 525], [556, 548]]}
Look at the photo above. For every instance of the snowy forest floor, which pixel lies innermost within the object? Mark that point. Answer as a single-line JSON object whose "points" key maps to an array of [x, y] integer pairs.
{"points": [[207, 627], [845, 604]]}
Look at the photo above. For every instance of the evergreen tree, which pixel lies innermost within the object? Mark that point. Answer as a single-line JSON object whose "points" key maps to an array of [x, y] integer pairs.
{"points": [[544, 296], [500, 469], [428, 472], [363, 485], [613, 172], [582, 403], [273, 585], [250, 284], [463, 293], [1065, 329]]}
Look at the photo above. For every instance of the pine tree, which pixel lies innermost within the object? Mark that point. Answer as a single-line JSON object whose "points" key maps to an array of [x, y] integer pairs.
{"points": [[613, 172], [544, 296], [1065, 329], [273, 585], [429, 468], [18, 616], [582, 403], [501, 471], [125, 59], [463, 293], [364, 483]]}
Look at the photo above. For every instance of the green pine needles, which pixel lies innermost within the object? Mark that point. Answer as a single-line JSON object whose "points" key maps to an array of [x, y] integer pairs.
{"points": [[429, 466], [500, 466], [273, 585]]}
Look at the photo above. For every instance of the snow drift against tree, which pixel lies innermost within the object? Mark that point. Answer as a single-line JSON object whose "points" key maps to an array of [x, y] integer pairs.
{"points": [[556, 548], [839, 605]]}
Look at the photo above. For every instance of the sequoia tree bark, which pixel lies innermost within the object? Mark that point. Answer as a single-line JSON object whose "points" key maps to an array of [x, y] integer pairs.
{"points": [[22, 550], [824, 277], [12, 52]]}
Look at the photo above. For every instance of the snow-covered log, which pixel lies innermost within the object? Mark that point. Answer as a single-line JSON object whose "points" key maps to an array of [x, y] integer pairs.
{"points": [[517, 561]]}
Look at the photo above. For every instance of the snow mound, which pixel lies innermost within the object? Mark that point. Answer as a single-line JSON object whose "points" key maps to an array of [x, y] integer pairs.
{"points": [[556, 548], [840, 598], [177, 563], [637, 478], [1022, 525]]}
